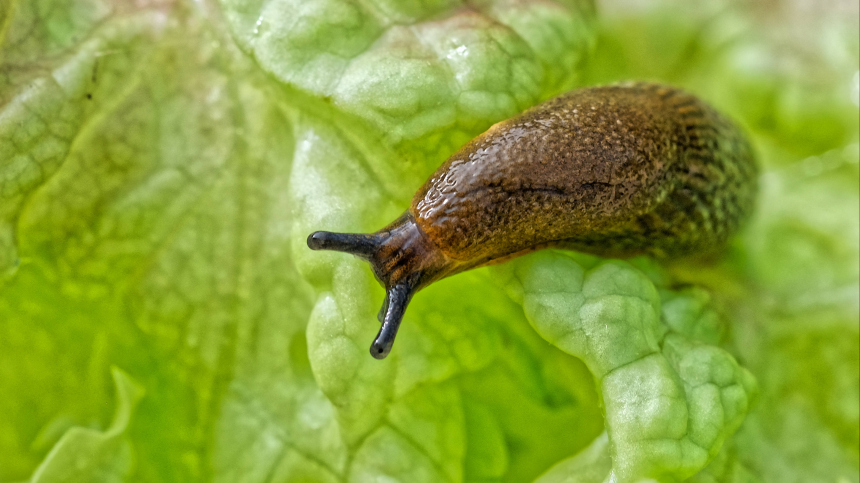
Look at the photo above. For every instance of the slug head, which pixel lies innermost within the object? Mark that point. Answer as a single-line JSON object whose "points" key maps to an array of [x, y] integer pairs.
{"points": [[403, 259]]}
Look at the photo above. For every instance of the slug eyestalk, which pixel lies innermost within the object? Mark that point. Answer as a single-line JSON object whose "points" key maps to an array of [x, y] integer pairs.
{"points": [[402, 258]]}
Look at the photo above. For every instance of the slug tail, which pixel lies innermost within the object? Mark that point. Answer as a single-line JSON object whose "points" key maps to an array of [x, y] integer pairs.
{"points": [[359, 244]]}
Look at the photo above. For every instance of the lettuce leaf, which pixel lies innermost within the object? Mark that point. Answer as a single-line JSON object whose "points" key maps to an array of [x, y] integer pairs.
{"points": [[161, 318]]}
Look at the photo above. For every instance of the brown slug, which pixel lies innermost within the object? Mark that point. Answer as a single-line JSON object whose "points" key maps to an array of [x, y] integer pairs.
{"points": [[619, 170]]}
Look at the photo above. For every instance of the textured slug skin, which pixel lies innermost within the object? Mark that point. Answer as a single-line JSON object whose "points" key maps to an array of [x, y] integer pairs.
{"points": [[618, 170]]}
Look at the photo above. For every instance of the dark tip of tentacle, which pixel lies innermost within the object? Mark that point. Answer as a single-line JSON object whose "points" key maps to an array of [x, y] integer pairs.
{"points": [[397, 299], [359, 244]]}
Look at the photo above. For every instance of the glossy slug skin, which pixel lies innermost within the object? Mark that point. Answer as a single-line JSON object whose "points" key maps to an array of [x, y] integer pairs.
{"points": [[619, 170]]}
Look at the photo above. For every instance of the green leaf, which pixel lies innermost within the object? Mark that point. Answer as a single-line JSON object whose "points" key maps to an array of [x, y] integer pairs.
{"points": [[161, 164], [670, 401], [84, 454]]}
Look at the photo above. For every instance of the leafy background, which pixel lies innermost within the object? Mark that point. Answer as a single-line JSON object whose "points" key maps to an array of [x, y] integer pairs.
{"points": [[161, 163]]}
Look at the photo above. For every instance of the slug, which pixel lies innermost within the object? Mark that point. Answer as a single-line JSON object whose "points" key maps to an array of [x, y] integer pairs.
{"points": [[619, 170]]}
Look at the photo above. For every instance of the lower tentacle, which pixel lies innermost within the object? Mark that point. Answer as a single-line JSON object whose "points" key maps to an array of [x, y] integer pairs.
{"points": [[397, 299]]}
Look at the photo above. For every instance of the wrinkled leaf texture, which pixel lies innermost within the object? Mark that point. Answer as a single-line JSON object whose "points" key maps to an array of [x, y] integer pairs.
{"points": [[161, 163]]}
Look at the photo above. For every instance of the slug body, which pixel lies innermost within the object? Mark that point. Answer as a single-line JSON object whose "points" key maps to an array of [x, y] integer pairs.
{"points": [[618, 171]]}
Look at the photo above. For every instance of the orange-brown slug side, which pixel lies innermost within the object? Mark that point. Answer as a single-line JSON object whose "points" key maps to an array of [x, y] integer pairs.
{"points": [[618, 170]]}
